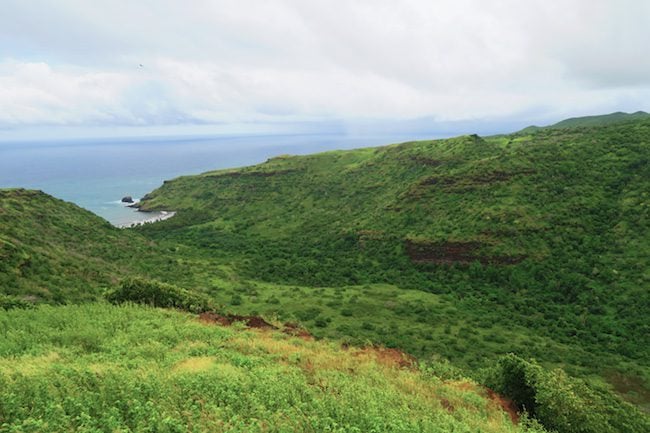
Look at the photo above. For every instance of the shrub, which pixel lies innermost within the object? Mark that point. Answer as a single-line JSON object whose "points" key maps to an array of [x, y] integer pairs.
{"points": [[236, 300], [562, 403], [158, 294], [346, 312]]}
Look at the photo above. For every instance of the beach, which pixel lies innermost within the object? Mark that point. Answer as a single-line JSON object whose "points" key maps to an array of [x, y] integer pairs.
{"points": [[152, 217]]}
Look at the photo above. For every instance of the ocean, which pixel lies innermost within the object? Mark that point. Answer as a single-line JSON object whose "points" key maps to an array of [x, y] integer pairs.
{"points": [[95, 174]]}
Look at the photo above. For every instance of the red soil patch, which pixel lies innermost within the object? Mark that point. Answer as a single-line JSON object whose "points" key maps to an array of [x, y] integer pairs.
{"points": [[453, 252], [391, 357], [446, 404], [297, 331], [228, 319], [506, 404]]}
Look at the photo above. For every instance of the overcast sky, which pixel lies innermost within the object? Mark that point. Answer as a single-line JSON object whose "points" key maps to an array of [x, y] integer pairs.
{"points": [[198, 65]]}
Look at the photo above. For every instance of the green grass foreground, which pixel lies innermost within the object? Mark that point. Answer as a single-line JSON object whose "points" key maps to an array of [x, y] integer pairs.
{"points": [[104, 368]]}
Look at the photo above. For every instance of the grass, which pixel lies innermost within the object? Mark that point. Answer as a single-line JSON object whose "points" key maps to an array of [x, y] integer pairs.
{"points": [[102, 368]]}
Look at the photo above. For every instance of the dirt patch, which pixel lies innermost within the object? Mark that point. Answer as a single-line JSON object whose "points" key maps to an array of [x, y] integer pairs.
{"points": [[443, 252], [297, 331], [446, 404], [448, 253], [390, 357], [501, 402], [228, 319], [507, 405], [630, 388]]}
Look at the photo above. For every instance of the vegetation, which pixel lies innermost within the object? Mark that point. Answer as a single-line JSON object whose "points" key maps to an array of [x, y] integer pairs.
{"points": [[531, 243], [11, 302], [456, 251], [590, 121], [101, 368], [157, 294], [561, 403]]}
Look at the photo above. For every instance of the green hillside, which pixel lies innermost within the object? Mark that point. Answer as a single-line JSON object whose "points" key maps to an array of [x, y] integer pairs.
{"points": [[590, 121], [456, 251], [55, 250], [98, 368], [546, 232]]}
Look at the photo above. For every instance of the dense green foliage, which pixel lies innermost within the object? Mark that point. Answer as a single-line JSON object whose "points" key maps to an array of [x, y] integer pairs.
{"points": [[51, 249], [157, 294], [11, 302], [466, 249], [58, 252], [544, 232], [100, 368], [562, 403]]}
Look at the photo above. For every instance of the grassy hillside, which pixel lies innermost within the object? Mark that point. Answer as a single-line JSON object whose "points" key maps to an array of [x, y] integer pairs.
{"points": [[55, 250], [590, 121], [535, 244], [99, 368]]}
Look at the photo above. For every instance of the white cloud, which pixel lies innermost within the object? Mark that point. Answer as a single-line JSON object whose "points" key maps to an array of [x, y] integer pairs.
{"points": [[74, 62]]}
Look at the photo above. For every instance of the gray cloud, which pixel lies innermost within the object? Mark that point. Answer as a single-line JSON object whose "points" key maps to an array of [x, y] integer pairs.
{"points": [[74, 62]]}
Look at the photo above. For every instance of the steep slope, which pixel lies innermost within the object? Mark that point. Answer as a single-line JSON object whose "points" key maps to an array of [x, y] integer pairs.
{"points": [[545, 234], [49, 246], [55, 251], [103, 368]]}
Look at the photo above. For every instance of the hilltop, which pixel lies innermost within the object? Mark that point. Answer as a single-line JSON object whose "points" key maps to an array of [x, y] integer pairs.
{"points": [[590, 121]]}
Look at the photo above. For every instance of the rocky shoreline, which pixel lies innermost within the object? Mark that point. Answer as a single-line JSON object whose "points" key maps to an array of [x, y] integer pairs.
{"points": [[155, 217]]}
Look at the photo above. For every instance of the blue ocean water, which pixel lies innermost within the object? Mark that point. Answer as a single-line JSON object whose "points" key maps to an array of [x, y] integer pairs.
{"points": [[96, 174]]}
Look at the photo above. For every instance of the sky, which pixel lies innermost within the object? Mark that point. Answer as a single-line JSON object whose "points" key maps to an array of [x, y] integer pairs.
{"points": [[124, 67]]}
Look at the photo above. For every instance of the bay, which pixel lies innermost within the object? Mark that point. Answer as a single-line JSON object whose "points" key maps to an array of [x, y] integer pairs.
{"points": [[96, 173]]}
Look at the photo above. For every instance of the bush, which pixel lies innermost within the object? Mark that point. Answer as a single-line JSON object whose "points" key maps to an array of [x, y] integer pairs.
{"points": [[158, 294], [562, 403], [346, 312]]}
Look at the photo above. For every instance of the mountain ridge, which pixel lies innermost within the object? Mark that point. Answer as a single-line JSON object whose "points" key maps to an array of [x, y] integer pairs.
{"points": [[593, 120]]}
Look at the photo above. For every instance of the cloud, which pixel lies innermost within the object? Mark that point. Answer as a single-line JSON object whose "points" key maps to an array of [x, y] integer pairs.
{"points": [[73, 62]]}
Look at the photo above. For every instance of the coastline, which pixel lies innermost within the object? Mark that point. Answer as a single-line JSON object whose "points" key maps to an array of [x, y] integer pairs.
{"points": [[160, 216]]}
